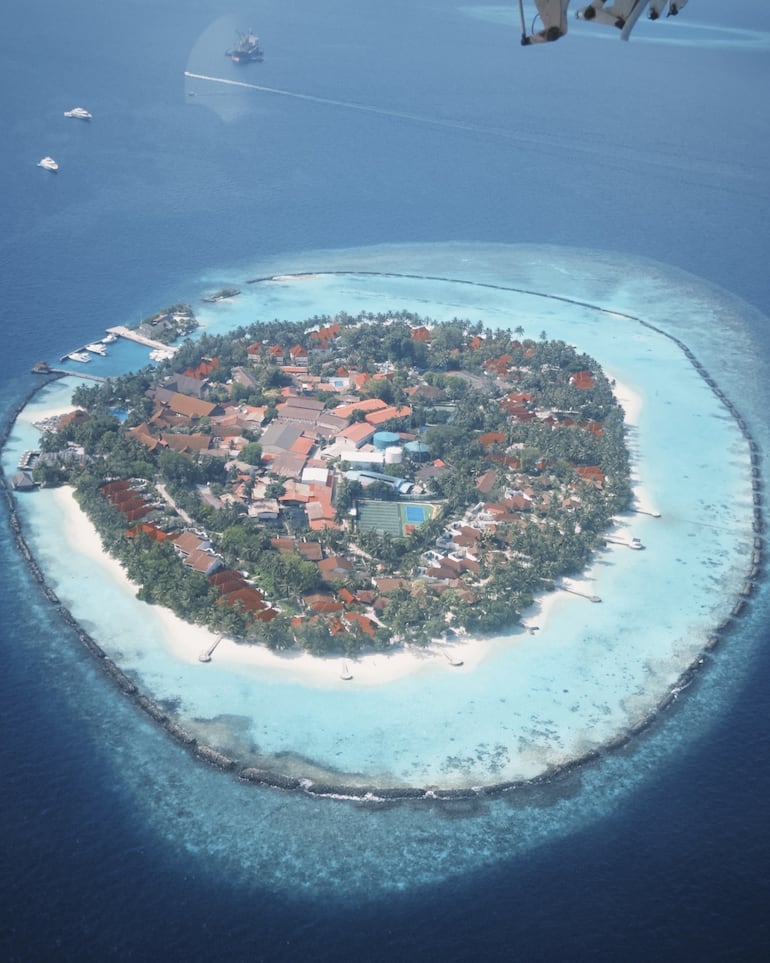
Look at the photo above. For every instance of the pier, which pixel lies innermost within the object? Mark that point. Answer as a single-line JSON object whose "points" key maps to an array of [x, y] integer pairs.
{"points": [[77, 374], [205, 656], [129, 334], [583, 595], [628, 543]]}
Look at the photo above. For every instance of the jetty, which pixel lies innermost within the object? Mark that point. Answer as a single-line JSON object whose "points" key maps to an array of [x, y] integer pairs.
{"points": [[121, 331], [627, 542], [205, 656], [41, 369], [583, 595]]}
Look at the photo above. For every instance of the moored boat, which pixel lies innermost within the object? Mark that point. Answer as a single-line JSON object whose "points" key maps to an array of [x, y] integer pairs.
{"points": [[247, 50], [96, 348], [82, 356]]}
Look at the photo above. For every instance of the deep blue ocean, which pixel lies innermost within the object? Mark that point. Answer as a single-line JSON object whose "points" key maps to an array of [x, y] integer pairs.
{"points": [[653, 149]]}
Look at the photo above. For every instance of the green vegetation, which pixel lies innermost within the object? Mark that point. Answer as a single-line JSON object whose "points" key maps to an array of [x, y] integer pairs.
{"points": [[522, 456]]}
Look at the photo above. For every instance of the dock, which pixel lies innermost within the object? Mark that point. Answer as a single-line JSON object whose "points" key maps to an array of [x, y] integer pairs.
{"points": [[627, 543], [205, 656], [583, 595], [68, 374], [129, 334]]}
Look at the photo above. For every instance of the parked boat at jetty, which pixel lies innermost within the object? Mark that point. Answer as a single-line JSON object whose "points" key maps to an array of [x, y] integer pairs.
{"points": [[96, 348], [82, 356], [49, 164]]}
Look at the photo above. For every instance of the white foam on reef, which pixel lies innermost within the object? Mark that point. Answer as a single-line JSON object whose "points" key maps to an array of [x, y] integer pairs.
{"points": [[509, 716]]}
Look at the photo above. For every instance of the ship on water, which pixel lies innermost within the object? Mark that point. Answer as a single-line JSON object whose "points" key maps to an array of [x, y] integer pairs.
{"points": [[247, 50]]}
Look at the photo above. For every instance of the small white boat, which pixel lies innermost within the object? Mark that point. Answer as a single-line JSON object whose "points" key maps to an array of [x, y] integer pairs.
{"points": [[96, 348], [49, 164], [82, 356], [109, 338], [78, 112]]}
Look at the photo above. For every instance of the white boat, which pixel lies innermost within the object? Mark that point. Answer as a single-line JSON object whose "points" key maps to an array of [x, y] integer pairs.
{"points": [[79, 112], [109, 338], [96, 348], [49, 164], [82, 356]]}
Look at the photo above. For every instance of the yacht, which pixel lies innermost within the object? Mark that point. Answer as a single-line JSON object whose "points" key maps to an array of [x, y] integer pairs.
{"points": [[79, 112], [109, 338], [49, 164], [82, 356], [96, 348]]}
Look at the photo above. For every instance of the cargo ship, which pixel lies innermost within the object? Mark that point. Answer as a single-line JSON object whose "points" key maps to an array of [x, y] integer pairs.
{"points": [[247, 50]]}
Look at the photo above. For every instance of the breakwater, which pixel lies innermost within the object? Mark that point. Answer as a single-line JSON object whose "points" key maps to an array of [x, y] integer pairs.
{"points": [[374, 795]]}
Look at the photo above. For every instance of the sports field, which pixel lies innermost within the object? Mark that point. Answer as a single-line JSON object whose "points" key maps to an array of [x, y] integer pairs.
{"points": [[393, 518]]}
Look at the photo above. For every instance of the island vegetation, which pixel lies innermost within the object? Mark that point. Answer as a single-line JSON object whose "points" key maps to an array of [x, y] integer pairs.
{"points": [[349, 482], [169, 324]]}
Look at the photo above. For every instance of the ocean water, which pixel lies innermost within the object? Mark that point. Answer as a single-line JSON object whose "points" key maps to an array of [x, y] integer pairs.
{"points": [[632, 172]]}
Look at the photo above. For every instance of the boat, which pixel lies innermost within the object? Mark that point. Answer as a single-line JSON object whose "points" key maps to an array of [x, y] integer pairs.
{"points": [[247, 50], [109, 338], [80, 113], [96, 348], [49, 164], [82, 356]]}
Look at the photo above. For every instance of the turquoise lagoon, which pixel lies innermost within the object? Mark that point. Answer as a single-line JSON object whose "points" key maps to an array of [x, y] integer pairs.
{"points": [[535, 700]]}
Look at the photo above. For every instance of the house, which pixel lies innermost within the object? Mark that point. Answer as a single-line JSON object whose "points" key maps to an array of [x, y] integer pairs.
{"points": [[335, 568], [191, 407], [265, 509], [388, 414], [202, 561], [357, 434]]}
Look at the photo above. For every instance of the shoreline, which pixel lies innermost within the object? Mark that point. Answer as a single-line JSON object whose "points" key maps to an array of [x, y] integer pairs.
{"points": [[187, 641], [314, 787]]}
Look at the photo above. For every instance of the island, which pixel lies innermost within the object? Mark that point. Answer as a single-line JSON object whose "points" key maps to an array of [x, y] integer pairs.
{"points": [[348, 483]]}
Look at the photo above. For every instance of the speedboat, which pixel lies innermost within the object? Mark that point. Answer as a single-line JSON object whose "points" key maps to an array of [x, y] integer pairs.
{"points": [[82, 356], [79, 112], [49, 164], [96, 348]]}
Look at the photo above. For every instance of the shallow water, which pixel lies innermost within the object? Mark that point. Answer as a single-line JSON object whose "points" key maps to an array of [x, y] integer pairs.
{"points": [[592, 672]]}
